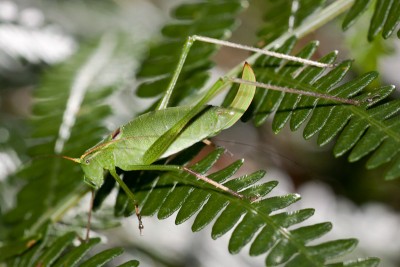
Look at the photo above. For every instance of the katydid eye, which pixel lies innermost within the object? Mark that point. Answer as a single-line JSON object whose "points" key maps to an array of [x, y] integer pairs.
{"points": [[87, 161]]}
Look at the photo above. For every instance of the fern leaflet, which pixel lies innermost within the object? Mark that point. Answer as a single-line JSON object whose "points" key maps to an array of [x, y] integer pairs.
{"points": [[385, 18], [44, 250]]}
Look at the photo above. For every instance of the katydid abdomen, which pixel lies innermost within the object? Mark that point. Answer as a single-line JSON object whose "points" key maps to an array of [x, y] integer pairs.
{"points": [[133, 139]]}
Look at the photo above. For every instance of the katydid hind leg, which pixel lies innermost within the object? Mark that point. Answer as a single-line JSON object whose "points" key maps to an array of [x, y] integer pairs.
{"points": [[189, 43], [210, 143], [214, 183], [296, 91], [191, 39], [177, 168], [162, 144]]}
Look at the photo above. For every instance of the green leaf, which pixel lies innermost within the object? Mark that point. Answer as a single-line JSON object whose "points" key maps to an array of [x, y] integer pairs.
{"points": [[247, 228], [177, 197], [29, 257], [198, 197], [75, 255], [359, 7], [55, 249], [102, 258], [263, 107], [381, 13], [355, 128], [385, 18], [335, 248], [392, 20], [267, 237], [132, 263], [319, 117], [17, 247]]}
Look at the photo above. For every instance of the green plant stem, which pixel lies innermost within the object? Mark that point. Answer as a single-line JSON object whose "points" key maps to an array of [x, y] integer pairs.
{"points": [[314, 22]]}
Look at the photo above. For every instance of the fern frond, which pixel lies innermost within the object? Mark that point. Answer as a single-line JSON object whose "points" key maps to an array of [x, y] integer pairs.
{"points": [[385, 19], [263, 224], [52, 184], [324, 117], [209, 18], [44, 250]]}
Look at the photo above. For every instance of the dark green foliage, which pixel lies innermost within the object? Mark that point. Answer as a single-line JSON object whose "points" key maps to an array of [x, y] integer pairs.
{"points": [[61, 252], [77, 253], [15, 248], [54, 183], [103, 257], [385, 18], [55, 249]]}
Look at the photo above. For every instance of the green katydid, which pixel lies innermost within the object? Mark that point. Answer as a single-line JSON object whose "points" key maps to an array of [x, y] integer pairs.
{"points": [[168, 130]]}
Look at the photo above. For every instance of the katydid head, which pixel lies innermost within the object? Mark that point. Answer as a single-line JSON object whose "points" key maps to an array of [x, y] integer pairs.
{"points": [[93, 172]]}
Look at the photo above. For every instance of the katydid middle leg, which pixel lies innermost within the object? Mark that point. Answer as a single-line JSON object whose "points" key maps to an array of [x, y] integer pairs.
{"points": [[129, 193]]}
